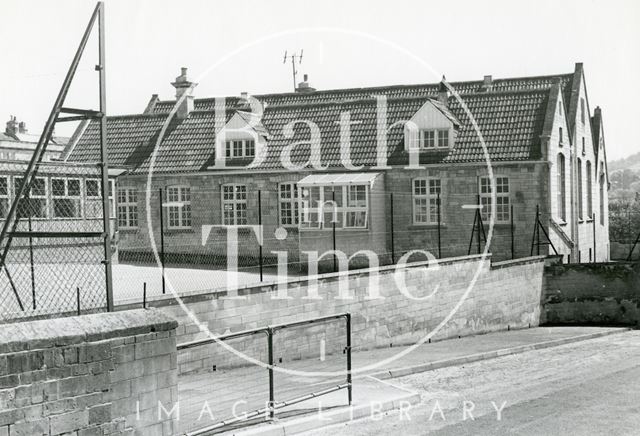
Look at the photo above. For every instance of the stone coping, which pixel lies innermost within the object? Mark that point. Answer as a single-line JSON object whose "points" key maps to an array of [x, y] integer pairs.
{"points": [[212, 294], [32, 335]]}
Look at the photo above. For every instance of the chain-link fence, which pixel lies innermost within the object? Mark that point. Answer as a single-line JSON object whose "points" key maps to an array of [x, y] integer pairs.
{"points": [[53, 250], [202, 240], [624, 230]]}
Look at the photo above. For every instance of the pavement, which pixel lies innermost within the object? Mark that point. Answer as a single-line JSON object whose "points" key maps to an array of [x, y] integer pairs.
{"points": [[208, 398], [588, 387]]}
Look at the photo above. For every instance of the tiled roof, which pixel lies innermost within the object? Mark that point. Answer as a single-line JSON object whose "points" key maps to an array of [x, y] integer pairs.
{"points": [[510, 118], [398, 91]]}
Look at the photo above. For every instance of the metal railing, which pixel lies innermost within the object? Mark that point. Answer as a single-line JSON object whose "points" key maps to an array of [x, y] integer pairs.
{"points": [[274, 404]]}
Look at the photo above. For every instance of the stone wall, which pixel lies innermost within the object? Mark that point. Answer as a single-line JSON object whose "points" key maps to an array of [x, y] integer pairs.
{"points": [[95, 374], [596, 294], [504, 295]]}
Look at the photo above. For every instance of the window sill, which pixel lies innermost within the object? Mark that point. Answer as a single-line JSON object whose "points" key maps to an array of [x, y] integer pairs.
{"points": [[127, 229], [562, 223]]}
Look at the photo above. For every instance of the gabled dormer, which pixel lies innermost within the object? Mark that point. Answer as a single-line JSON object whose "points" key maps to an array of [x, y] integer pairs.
{"points": [[433, 128], [242, 140]]}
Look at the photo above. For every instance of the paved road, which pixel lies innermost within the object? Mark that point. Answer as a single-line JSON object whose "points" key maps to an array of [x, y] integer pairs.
{"points": [[586, 388]]}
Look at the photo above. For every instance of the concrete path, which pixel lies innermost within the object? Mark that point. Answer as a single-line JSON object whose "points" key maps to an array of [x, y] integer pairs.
{"points": [[585, 388], [208, 398]]}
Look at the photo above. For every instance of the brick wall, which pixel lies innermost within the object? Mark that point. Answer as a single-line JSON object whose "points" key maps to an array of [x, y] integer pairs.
{"points": [[505, 295], [88, 375], [598, 294]]}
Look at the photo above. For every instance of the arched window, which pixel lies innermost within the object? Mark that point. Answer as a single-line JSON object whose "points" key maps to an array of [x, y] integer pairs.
{"points": [[589, 191], [562, 188], [602, 199], [580, 215]]}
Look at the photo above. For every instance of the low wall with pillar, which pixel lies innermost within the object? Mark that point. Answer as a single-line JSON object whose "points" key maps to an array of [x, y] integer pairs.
{"points": [[100, 374]]}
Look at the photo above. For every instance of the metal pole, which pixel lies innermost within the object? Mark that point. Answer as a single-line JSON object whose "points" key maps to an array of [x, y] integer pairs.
{"points": [[593, 217], [104, 158], [349, 378], [144, 295], [538, 224], [271, 387], [439, 230], [513, 251], [162, 260], [33, 273], [78, 299], [479, 219], [393, 248], [333, 221], [261, 233]]}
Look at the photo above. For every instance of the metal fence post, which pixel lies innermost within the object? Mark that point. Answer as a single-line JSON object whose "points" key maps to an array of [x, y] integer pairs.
{"points": [[144, 295], [349, 379], [271, 386], [393, 248], [333, 222], [33, 273], [78, 299], [162, 241], [439, 224], [261, 232], [593, 217], [537, 224], [513, 252]]}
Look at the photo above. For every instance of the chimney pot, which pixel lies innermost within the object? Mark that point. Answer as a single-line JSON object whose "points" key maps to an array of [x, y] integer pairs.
{"points": [[184, 87]]}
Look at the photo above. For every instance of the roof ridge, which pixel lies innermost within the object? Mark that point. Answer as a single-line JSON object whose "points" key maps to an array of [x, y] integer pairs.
{"points": [[381, 87]]}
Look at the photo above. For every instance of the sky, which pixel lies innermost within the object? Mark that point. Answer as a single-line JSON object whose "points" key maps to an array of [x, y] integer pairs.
{"points": [[238, 46]]}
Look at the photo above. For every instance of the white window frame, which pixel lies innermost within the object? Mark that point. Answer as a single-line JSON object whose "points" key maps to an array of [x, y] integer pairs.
{"points": [[427, 139], [350, 209], [128, 206], [341, 212], [503, 199], [237, 202], [430, 187], [291, 203], [77, 199], [178, 207], [443, 136], [6, 197], [242, 152], [44, 196], [92, 203], [430, 139]]}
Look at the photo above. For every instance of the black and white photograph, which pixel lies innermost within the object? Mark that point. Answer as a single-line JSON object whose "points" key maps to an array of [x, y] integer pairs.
{"points": [[319, 218]]}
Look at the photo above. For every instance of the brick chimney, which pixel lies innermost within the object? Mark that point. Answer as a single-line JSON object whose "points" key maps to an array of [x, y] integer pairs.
{"points": [[487, 83], [184, 88], [22, 127], [304, 85], [12, 126], [443, 92]]}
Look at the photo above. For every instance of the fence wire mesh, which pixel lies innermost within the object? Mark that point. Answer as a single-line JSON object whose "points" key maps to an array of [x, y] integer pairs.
{"points": [[54, 262], [206, 239]]}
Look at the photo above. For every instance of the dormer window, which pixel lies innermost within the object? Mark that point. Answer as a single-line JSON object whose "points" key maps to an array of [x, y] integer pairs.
{"points": [[434, 138], [240, 148], [443, 138]]}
